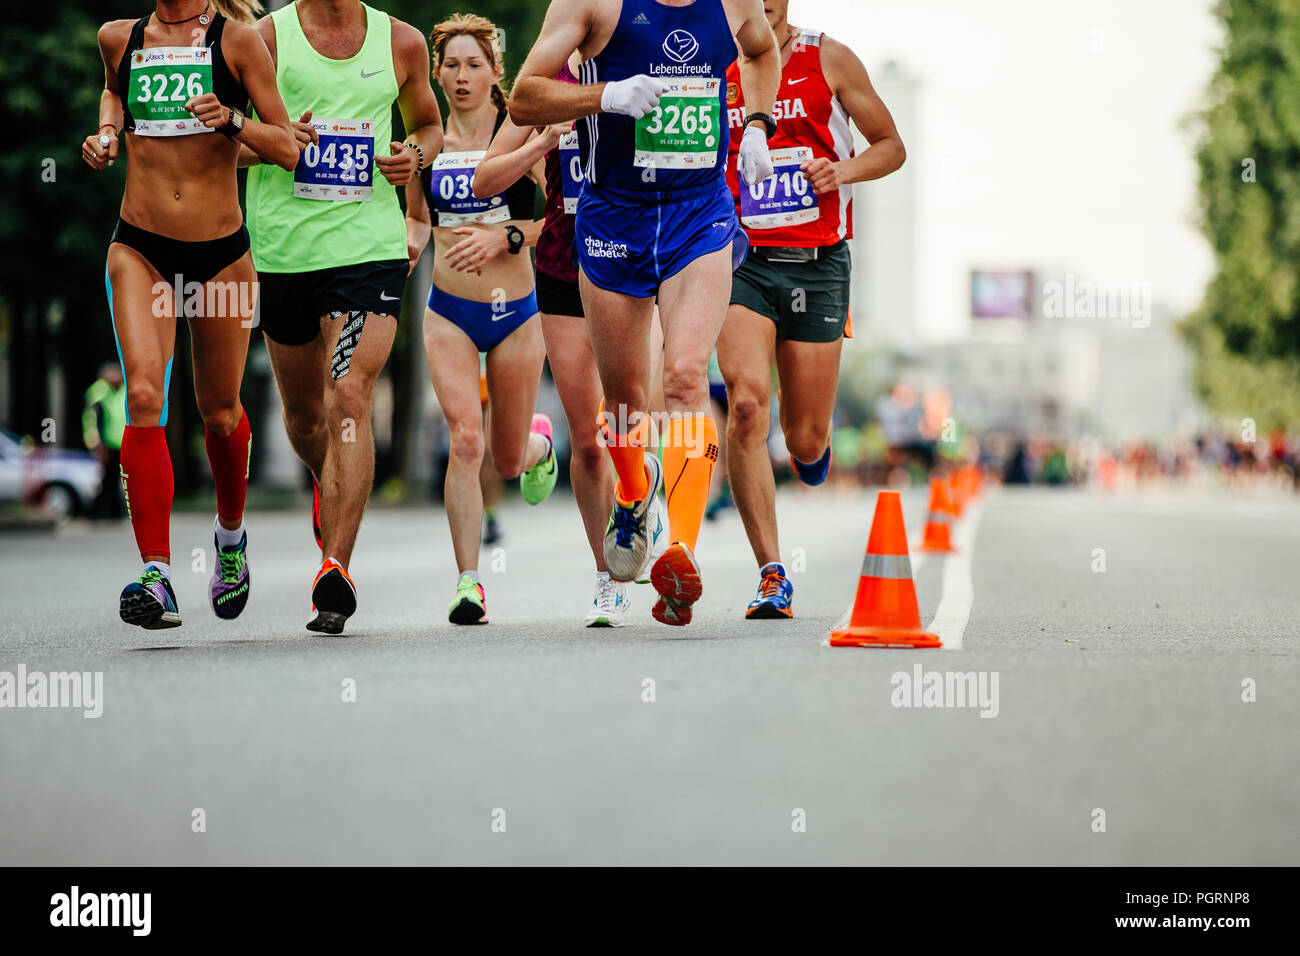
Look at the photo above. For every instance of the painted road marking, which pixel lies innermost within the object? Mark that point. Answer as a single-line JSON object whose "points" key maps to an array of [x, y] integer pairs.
{"points": [[958, 594]]}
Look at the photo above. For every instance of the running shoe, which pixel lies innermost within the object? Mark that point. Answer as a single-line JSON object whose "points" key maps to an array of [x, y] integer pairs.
{"points": [[627, 537], [775, 594], [150, 602], [228, 592], [333, 598], [491, 528], [538, 482], [470, 605], [676, 577], [610, 604], [658, 532], [815, 473], [315, 513]]}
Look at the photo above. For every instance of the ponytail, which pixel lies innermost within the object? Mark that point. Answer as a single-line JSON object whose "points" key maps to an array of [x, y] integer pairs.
{"points": [[243, 11]]}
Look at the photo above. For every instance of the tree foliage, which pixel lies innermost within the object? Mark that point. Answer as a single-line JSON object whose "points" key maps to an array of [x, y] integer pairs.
{"points": [[1247, 330]]}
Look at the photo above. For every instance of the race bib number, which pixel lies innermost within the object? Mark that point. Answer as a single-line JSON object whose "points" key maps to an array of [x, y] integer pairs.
{"points": [[784, 198], [683, 130], [571, 174], [451, 191], [341, 167], [162, 80]]}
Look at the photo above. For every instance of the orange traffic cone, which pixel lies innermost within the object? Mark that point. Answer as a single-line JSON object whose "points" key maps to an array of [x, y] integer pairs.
{"points": [[885, 613], [938, 523]]}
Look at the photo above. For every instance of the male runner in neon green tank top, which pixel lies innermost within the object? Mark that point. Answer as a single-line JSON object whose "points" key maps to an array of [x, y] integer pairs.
{"points": [[329, 243]]}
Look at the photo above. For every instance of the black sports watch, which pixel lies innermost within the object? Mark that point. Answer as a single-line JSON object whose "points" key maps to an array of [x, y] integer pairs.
{"points": [[516, 237], [768, 120], [235, 125]]}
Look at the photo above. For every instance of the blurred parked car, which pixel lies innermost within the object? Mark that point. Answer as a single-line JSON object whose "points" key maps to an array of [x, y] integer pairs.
{"points": [[59, 483]]}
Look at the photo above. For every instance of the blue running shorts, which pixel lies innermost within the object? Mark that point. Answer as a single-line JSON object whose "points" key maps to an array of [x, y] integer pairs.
{"points": [[485, 324]]}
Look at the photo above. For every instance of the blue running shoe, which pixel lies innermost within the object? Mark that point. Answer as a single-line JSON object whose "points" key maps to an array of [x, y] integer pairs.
{"points": [[150, 602], [815, 473], [775, 595]]}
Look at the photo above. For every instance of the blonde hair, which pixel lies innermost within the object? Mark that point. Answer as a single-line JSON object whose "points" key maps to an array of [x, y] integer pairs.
{"points": [[479, 28], [245, 11]]}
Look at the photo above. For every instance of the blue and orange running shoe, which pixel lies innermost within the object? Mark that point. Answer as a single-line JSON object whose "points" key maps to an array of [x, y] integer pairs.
{"points": [[775, 595], [333, 598], [150, 602], [228, 590]]}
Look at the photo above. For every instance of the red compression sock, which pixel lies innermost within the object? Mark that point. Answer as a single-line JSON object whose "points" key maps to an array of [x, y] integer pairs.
{"points": [[147, 481], [229, 457]]}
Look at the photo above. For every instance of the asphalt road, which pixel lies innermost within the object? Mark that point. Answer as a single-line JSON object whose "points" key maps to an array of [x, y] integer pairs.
{"points": [[529, 741]]}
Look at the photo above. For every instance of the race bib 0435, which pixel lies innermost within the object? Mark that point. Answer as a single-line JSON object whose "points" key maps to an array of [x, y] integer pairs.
{"points": [[784, 198], [451, 189], [683, 130], [162, 80], [341, 166], [571, 174]]}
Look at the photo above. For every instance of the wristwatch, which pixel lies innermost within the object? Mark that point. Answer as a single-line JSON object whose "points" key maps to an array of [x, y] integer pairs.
{"points": [[767, 119], [516, 238], [235, 125]]}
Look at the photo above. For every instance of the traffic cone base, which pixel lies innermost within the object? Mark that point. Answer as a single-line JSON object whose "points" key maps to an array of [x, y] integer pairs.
{"points": [[881, 637], [938, 522]]}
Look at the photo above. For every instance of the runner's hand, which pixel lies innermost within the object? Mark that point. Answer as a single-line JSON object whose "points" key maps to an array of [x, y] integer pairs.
{"points": [[208, 110], [400, 167], [556, 132], [477, 249], [755, 162], [95, 153], [637, 96], [823, 175], [305, 133]]}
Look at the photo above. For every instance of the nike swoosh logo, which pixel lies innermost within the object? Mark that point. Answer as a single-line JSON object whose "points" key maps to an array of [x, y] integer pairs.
{"points": [[498, 318], [385, 297], [792, 81], [366, 76]]}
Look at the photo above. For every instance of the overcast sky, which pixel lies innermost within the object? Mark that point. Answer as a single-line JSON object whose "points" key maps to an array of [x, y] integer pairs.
{"points": [[1048, 133]]}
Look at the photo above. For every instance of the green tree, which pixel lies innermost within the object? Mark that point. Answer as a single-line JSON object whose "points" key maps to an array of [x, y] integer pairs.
{"points": [[1247, 331]]}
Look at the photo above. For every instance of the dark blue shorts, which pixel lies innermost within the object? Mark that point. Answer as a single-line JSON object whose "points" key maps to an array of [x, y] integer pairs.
{"points": [[485, 323], [631, 242]]}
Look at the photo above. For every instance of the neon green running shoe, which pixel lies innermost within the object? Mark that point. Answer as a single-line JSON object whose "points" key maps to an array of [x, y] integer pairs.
{"points": [[470, 606], [538, 482]]}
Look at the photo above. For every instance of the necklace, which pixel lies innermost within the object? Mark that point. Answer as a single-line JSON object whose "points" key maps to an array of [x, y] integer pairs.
{"points": [[791, 36], [201, 16]]}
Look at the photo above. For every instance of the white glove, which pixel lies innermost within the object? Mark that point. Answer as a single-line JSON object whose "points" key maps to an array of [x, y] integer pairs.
{"points": [[636, 96], [755, 162]]}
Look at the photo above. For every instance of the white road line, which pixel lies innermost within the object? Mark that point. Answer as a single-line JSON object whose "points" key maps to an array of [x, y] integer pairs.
{"points": [[953, 613]]}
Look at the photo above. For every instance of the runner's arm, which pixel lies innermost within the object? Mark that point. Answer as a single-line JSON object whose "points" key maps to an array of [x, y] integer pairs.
{"points": [[110, 103], [515, 152], [419, 107], [760, 57], [538, 99], [418, 225], [271, 138], [849, 82]]}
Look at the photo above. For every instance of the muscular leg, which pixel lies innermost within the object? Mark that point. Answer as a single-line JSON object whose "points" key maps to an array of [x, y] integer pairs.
{"points": [[453, 367], [573, 365], [514, 371], [745, 355], [300, 372], [220, 349], [809, 374], [349, 468], [146, 340]]}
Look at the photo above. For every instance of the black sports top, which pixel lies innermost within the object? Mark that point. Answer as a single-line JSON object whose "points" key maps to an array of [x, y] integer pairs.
{"points": [[229, 90], [521, 196]]}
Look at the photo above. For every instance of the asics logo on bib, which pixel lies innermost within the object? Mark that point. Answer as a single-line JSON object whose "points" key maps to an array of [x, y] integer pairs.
{"points": [[681, 46], [600, 249]]}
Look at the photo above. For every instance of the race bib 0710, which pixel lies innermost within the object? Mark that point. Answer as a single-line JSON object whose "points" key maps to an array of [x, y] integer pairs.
{"points": [[784, 198], [571, 174], [451, 192], [161, 81], [683, 130], [341, 166]]}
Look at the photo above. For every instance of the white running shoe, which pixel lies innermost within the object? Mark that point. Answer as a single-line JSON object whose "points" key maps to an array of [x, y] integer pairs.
{"points": [[610, 605], [657, 531], [627, 541]]}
